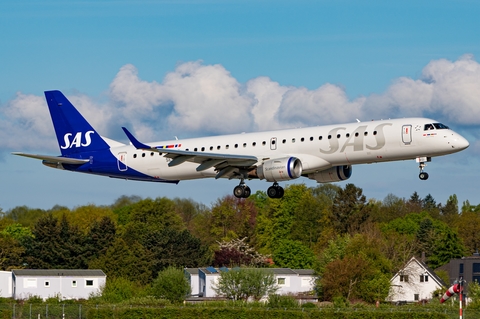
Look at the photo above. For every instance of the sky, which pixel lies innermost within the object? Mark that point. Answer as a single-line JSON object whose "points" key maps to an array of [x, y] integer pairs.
{"points": [[193, 68]]}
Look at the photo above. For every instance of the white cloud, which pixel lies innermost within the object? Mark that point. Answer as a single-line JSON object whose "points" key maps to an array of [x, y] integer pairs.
{"points": [[196, 99]]}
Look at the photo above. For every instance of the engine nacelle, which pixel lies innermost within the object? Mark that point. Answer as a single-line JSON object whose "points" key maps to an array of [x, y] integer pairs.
{"points": [[281, 169], [333, 174]]}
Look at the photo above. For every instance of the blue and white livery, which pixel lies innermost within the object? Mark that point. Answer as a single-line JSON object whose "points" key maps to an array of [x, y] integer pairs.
{"points": [[322, 153]]}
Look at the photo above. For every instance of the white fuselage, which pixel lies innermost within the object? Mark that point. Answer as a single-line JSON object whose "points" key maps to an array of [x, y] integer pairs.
{"points": [[318, 148]]}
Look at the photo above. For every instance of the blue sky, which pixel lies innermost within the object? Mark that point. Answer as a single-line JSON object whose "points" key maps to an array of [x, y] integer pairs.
{"points": [[194, 68]]}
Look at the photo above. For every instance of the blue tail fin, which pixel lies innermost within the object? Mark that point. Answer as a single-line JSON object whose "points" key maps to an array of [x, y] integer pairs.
{"points": [[74, 134]]}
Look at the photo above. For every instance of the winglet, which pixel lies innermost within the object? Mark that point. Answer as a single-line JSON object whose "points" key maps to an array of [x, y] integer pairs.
{"points": [[135, 142]]}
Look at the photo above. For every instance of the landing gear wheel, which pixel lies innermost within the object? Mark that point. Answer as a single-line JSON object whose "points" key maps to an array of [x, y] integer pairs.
{"points": [[246, 192], [239, 191], [275, 191], [423, 176], [272, 192], [242, 191]]}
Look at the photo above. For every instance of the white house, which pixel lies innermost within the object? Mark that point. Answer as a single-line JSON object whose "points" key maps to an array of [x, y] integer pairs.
{"points": [[5, 284], [65, 283], [192, 276], [414, 282], [289, 281]]}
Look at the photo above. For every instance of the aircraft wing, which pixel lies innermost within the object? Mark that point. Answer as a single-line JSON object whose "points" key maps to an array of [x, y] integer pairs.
{"points": [[54, 159], [225, 164]]}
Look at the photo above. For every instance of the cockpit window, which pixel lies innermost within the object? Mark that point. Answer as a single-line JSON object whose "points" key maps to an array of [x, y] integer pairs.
{"points": [[429, 127], [440, 126]]}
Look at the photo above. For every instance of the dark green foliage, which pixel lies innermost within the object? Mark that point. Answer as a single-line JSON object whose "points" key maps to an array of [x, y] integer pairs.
{"points": [[125, 261], [282, 301], [253, 313], [56, 244], [171, 247], [350, 210]]}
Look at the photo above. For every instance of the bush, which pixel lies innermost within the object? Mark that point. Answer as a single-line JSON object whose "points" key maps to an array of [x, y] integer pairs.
{"points": [[171, 284], [282, 301]]}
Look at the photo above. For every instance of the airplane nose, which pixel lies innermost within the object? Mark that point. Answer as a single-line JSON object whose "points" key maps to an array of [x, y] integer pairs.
{"points": [[460, 143]]}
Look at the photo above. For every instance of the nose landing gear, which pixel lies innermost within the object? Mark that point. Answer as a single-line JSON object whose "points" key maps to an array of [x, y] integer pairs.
{"points": [[423, 175]]}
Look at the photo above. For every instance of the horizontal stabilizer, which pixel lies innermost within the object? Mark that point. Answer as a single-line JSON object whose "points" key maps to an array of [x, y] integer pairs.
{"points": [[54, 159]]}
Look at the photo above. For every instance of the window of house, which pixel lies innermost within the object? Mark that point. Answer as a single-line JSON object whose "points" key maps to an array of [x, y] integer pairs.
{"points": [[281, 281], [30, 283], [416, 297], [74, 283], [404, 278], [423, 278], [461, 269], [89, 283]]}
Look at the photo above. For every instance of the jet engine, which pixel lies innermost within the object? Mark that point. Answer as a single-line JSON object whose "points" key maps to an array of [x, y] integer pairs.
{"points": [[333, 174], [281, 169]]}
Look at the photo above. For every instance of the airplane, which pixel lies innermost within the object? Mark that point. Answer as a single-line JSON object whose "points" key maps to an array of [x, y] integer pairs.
{"points": [[321, 153]]}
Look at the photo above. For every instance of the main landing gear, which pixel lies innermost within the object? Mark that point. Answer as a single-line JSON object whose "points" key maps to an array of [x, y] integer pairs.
{"points": [[243, 191], [275, 191]]}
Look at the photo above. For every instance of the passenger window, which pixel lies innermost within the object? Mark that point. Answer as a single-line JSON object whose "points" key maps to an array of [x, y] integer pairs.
{"points": [[311, 138], [264, 143], [284, 141], [338, 135], [302, 139], [293, 140], [244, 144], [254, 143]]}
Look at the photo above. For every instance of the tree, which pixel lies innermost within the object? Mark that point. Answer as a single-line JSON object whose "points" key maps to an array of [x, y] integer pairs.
{"points": [[56, 244], [169, 247], [233, 217], [10, 253], [131, 262], [171, 284], [293, 254], [468, 225], [350, 209], [449, 212], [245, 283], [100, 237], [237, 252]]}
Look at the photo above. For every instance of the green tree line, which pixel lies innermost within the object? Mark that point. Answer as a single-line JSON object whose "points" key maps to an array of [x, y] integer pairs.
{"points": [[354, 244]]}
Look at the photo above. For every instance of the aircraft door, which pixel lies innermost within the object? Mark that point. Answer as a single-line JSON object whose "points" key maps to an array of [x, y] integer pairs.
{"points": [[122, 161], [407, 134], [273, 143]]}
